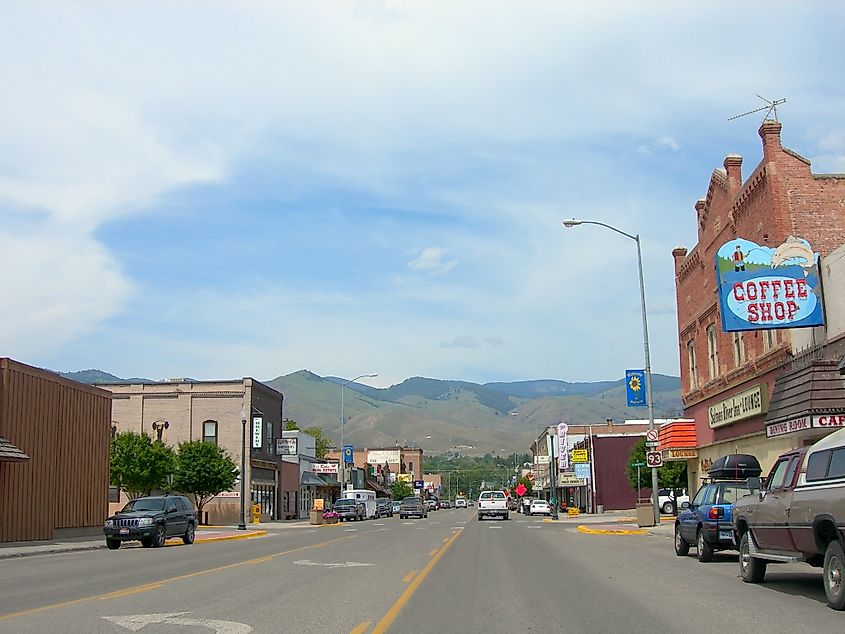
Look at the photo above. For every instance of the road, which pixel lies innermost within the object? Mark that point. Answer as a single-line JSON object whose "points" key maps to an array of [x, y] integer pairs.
{"points": [[446, 573]]}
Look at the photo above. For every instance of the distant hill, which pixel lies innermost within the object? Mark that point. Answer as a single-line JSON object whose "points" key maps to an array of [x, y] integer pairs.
{"points": [[445, 416]]}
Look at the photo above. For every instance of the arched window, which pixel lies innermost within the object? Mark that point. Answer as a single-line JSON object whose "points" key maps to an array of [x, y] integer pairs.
{"points": [[209, 431]]}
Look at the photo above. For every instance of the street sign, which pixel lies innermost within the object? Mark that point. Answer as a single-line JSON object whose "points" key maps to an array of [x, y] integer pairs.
{"points": [[520, 489], [652, 435], [579, 455], [637, 464], [419, 484], [654, 459], [348, 456], [582, 470], [651, 443]]}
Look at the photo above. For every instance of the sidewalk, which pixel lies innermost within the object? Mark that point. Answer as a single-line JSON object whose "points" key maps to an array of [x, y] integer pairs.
{"points": [[47, 547]]}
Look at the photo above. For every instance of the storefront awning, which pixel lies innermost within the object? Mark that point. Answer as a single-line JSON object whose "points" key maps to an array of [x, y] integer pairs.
{"points": [[10, 453], [308, 479], [330, 481]]}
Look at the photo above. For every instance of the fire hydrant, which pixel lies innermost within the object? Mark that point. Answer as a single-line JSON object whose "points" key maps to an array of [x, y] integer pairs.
{"points": [[256, 513]]}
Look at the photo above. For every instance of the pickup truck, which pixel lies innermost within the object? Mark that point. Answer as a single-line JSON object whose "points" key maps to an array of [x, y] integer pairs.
{"points": [[799, 516], [492, 504]]}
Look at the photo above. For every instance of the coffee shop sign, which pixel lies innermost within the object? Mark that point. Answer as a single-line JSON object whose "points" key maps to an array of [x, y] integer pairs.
{"points": [[743, 405]]}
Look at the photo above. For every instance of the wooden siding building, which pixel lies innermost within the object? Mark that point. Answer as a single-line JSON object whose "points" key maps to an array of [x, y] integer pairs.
{"points": [[54, 471]]}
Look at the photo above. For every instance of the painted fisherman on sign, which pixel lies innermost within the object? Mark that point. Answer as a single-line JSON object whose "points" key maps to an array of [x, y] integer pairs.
{"points": [[762, 288]]}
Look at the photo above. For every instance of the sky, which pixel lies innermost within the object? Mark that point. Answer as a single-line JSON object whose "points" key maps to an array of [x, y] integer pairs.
{"points": [[218, 190]]}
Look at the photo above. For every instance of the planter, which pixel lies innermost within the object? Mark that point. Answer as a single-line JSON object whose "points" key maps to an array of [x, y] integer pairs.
{"points": [[331, 520], [645, 514], [315, 517]]}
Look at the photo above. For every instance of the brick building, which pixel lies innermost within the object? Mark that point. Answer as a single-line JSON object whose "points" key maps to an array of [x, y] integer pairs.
{"points": [[781, 198]]}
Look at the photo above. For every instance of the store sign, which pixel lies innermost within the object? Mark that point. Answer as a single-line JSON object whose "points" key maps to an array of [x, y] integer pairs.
{"points": [[541, 459], [761, 288], [404, 477], [570, 480], [582, 470], [822, 421], [579, 455], [389, 456], [563, 448], [287, 446], [679, 454], [328, 467], [257, 431], [752, 402]]}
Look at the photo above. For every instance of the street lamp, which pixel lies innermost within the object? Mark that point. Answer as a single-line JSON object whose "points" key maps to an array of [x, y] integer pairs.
{"points": [[242, 523], [342, 457], [572, 222]]}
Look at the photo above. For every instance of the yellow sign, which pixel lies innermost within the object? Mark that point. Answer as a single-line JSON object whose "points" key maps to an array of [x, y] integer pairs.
{"points": [[580, 455], [679, 454], [318, 504], [404, 477]]}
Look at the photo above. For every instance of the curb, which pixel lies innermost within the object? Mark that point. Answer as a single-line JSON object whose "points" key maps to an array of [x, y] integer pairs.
{"points": [[227, 538], [611, 531]]}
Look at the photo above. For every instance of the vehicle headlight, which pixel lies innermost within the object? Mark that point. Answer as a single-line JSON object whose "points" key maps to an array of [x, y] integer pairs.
{"points": [[109, 523], [145, 521]]}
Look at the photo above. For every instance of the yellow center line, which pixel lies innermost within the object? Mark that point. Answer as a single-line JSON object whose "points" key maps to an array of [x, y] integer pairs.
{"points": [[157, 584], [361, 628], [409, 576], [393, 612]]}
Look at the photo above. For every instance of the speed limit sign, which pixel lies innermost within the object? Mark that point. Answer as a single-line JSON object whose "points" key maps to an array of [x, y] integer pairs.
{"points": [[654, 459]]}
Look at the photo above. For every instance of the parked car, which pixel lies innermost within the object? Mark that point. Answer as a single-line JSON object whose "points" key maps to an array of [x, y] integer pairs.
{"points": [[432, 504], [492, 504], [665, 497], [413, 506], [349, 509], [799, 516], [445, 504], [540, 507], [151, 520], [460, 503], [385, 507], [707, 520], [395, 506]]}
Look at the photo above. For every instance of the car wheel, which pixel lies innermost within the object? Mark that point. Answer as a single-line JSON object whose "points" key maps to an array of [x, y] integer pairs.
{"points": [[667, 508], [188, 537], [160, 536], [705, 548], [112, 544], [681, 545], [480, 517], [751, 569], [506, 516], [834, 567]]}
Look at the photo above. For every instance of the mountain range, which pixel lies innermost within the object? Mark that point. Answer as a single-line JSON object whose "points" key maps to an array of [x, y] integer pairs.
{"points": [[442, 416]]}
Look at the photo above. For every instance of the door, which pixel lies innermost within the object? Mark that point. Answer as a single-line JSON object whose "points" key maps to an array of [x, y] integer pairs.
{"points": [[176, 524], [770, 517]]}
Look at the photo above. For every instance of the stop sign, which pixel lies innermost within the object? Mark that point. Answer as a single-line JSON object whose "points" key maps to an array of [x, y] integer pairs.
{"points": [[520, 489]]}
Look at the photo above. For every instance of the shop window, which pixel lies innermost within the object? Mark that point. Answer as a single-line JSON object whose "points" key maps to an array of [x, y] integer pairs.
{"points": [[209, 431], [693, 370], [739, 349], [712, 351]]}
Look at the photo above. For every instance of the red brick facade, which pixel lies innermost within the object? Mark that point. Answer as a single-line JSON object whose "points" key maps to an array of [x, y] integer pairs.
{"points": [[781, 197]]}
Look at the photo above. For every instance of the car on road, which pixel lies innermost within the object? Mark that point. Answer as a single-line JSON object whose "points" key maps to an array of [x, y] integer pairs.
{"points": [[349, 509], [151, 520], [707, 521], [385, 507], [395, 506], [540, 507], [799, 516], [492, 504], [413, 507], [460, 503], [665, 497], [432, 505]]}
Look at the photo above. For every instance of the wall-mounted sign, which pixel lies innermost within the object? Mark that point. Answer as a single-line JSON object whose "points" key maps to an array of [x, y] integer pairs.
{"points": [[635, 388], [822, 421], [679, 454], [390, 456], [257, 431], [751, 402], [582, 470], [563, 448], [404, 477], [761, 288], [287, 446], [327, 467], [580, 455], [569, 480], [541, 459]]}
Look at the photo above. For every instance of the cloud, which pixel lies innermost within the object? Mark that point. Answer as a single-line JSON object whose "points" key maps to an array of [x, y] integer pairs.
{"points": [[432, 260], [663, 143], [464, 341]]}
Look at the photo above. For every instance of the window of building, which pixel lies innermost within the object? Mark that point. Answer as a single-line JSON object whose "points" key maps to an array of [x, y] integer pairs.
{"points": [[209, 431], [739, 349], [770, 339], [693, 371], [712, 352]]}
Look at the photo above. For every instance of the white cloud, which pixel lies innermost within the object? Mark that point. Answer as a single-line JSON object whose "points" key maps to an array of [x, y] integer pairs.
{"points": [[432, 260], [464, 341]]}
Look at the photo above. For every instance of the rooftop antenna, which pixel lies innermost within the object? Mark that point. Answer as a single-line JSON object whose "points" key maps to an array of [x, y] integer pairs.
{"points": [[771, 107]]}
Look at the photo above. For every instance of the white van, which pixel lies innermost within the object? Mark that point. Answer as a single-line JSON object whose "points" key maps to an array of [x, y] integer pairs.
{"points": [[365, 497]]}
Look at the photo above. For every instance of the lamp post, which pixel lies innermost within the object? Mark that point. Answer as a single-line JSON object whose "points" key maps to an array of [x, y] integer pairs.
{"points": [[342, 456], [572, 222], [242, 523]]}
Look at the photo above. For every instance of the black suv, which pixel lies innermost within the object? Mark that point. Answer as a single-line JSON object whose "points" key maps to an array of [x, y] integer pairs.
{"points": [[152, 520]]}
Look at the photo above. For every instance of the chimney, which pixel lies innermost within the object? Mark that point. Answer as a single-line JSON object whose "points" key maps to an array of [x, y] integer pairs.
{"points": [[733, 165], [770, 133], [678, 254]]}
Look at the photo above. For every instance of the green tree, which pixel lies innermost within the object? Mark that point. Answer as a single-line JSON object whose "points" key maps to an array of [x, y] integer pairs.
{"points": [[401, 490], [203, 469], [138, 465], [672, 475], [290, 425], [323, 444]]}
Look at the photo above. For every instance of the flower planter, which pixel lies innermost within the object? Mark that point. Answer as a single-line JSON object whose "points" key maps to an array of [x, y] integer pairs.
{"points": [[331, 520], [316, 517]]}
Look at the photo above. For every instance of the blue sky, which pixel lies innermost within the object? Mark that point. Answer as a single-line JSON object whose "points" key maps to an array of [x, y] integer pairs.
{"points": [[246, 188]]}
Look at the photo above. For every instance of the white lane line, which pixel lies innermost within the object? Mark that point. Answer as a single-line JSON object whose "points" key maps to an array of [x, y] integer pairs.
{"points": [[349, 530], [494, 527], [421, 528], [378, 524], [408, 523]]}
